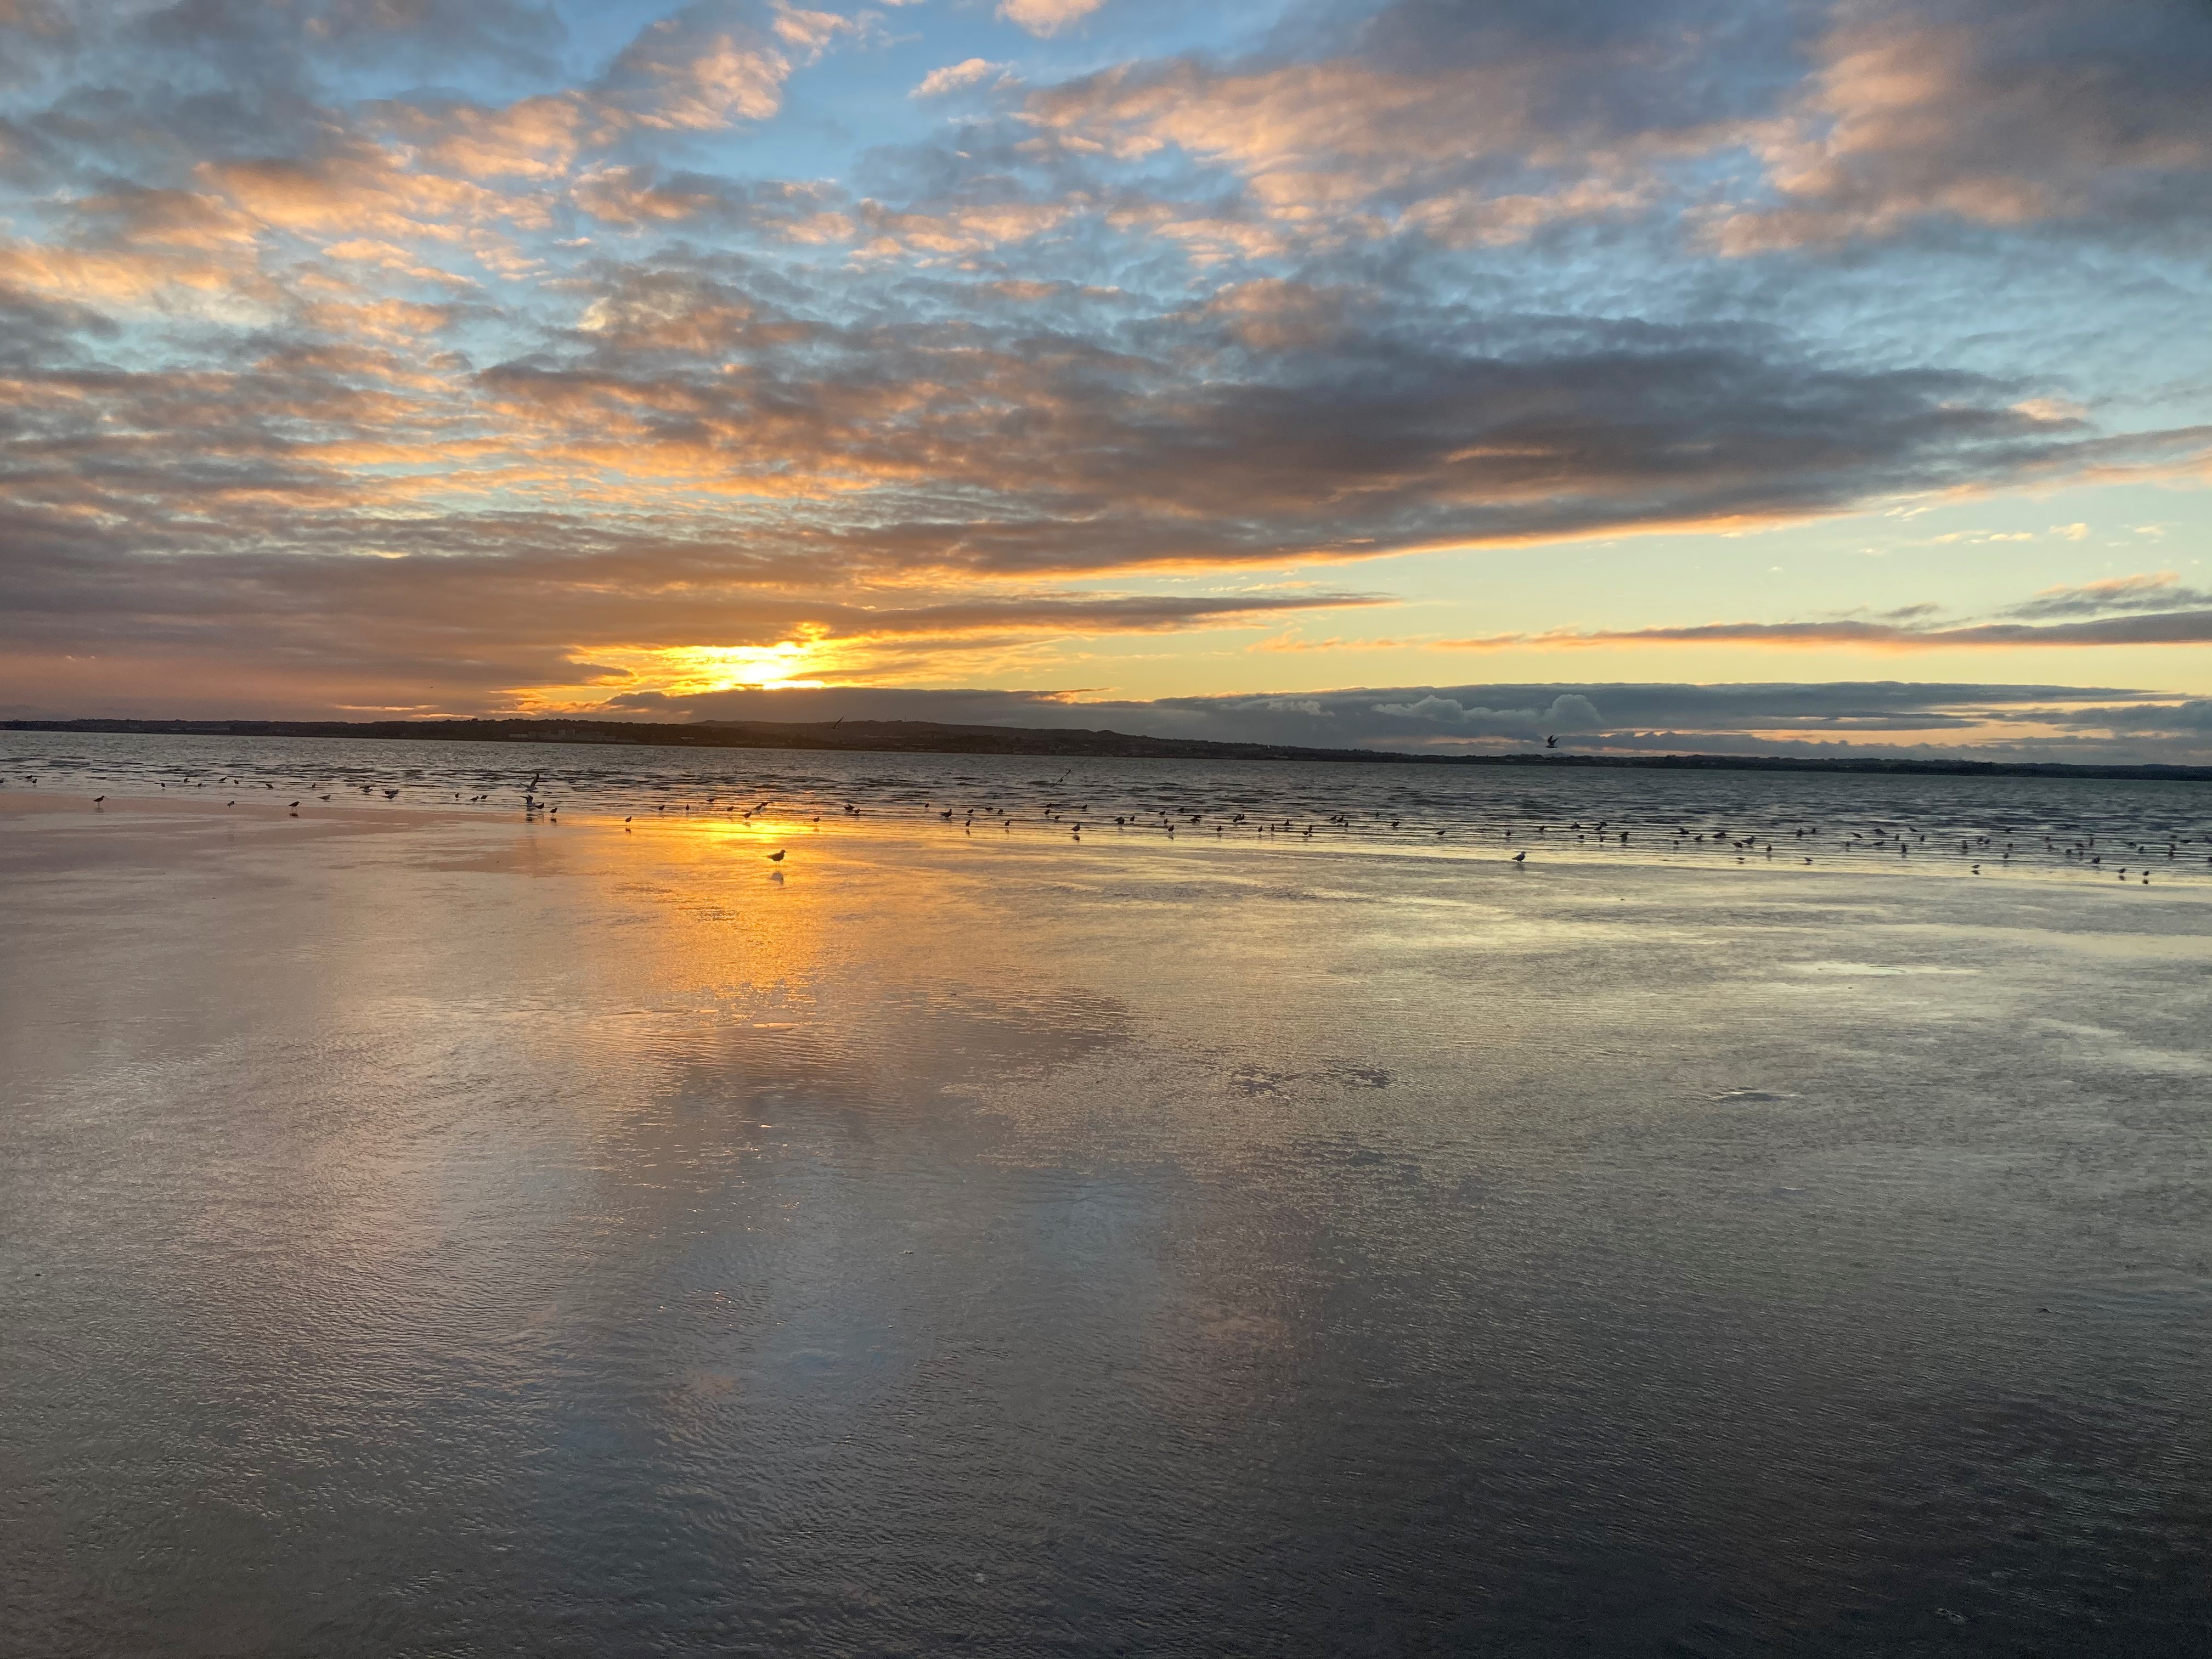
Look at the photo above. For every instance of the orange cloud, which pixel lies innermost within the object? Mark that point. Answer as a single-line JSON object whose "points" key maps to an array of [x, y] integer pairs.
{"points": [[1993, 118], [2174, 628]]}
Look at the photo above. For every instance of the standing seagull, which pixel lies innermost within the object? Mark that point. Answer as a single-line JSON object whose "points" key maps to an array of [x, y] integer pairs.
{"points": [[776, 857]]}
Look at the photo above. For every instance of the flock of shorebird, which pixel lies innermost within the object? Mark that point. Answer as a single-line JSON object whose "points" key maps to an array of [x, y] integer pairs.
{"points": [[1073, 819]]}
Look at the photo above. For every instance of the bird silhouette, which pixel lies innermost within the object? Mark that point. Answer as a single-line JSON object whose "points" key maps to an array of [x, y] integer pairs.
{"points": [[776, 857]]}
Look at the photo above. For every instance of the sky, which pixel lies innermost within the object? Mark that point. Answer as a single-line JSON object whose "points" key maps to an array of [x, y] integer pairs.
{"points": [[1656, 375]]}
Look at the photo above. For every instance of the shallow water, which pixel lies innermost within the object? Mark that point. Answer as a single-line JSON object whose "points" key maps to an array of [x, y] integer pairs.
{"points": [[461, 1236], [2078, 829]]}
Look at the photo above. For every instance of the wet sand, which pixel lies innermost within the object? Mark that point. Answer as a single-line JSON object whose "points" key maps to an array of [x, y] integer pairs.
{"points": [[429, 1235]]}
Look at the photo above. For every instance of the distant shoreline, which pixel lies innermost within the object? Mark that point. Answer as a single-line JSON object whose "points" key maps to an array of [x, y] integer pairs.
{"points": [[930, 736]]}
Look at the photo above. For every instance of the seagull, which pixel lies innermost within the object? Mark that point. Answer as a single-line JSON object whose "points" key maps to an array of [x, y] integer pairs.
{"points": [[1519, 857], [96, 799], [776, 857]]}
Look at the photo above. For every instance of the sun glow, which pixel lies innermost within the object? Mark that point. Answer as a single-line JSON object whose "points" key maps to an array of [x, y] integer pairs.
{"points": [[686, 671]]}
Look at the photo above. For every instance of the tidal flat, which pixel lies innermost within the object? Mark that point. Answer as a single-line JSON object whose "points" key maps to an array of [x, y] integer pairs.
{"points": [[428, 1233]]}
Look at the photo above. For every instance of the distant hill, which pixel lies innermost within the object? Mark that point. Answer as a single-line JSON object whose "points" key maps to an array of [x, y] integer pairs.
{"points": [[930, 736]]}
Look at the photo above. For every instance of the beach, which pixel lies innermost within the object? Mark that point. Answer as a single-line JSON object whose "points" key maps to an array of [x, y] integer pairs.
{"points": [[442, 1232]]}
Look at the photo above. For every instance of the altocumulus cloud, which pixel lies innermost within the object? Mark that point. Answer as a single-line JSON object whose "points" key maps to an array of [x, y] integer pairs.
{"points": [[1570, 711], [446, 357], [2134, 609]]}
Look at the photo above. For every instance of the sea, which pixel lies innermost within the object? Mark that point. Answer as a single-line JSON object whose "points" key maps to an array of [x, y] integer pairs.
{"points": [[605, 1201], [2082, 827]]}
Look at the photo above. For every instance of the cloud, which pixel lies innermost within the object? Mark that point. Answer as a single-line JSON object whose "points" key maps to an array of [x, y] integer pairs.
{"points": [[1491, 126], [2189, 718], [536, 138], [1569, 712], [1994, 112], [432, 33], [2160, 591], [704, 67], [643, 197], [471, 371], [1046, 17], [2153, 610], [2011, 721], [1467, 128], [469, 618], [361, 188], [2170, 628], [1198, 438], [953, 77]]}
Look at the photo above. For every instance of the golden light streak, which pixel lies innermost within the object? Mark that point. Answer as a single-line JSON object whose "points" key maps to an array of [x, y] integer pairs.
{"points": [[687, 670]]}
